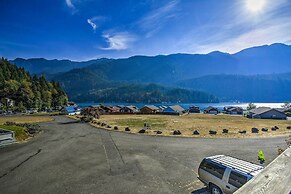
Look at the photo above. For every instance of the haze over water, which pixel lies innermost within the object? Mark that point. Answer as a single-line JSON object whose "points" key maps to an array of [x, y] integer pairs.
{"points": [[202, 106]]}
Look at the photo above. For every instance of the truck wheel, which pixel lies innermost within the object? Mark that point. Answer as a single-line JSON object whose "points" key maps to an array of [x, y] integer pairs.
{"points": [[215, 189]]}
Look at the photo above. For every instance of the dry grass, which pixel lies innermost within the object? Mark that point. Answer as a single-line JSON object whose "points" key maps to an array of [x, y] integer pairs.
{"points": [[25, 119], [202, 122]]}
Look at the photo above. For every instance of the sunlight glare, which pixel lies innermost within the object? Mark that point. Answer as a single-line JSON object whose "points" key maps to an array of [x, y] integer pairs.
{"points": [[255, 5]]}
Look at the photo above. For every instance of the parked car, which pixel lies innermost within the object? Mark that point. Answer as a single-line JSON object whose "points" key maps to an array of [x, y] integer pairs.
{"points": [[225, 174]]}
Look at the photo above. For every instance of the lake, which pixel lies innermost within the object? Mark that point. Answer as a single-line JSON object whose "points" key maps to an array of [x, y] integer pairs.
{"points": [[202, 106]]}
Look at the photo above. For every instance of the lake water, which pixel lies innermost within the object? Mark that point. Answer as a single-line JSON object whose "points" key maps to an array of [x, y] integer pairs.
{"points": [[202, 106]]}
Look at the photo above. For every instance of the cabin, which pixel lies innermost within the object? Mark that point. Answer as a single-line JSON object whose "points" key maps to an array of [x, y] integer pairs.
{"points": [[233, 110], [266, 113], [174, 109], [149, 109], [194, 109], [211, 110], [110, 109], [70, 110], [129, 109]]}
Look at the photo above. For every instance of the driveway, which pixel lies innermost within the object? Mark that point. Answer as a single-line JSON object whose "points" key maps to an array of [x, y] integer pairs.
{"points": [[72, 157]]}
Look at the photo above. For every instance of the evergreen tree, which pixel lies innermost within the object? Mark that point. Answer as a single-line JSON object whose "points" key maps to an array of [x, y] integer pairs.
{"points": [[27, 91]]}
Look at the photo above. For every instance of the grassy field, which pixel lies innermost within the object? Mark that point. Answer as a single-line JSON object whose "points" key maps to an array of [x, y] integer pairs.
{"points": [[25, 119], [202, 122]]}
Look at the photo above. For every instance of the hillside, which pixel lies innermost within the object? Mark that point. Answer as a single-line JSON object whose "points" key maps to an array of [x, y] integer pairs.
{"points": [[249, 75], [83, 85], [26, 91], [138, 93], [261, 88]]}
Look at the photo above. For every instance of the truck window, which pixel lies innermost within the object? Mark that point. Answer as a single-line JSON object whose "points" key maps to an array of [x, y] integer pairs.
{"points": [[237, 179], [212, 168]]}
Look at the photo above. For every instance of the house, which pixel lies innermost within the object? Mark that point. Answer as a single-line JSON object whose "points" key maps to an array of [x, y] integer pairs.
{"points": [[266, 113], [7, 102], [70, 110], [148, 109], [129, 109], [110, 109], [174, 109], [211, 110], [233, 110], [194, 109], [71, 103]]}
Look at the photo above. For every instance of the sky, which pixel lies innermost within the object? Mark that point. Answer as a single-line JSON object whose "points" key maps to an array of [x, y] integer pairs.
{"points": [[89, 29]]}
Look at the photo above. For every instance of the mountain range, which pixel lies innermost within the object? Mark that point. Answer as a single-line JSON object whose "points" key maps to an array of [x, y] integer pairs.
{"points": [[255, 74]]}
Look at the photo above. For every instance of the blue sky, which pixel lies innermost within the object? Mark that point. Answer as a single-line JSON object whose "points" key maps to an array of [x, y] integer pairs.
{"points": [[87, 29]]}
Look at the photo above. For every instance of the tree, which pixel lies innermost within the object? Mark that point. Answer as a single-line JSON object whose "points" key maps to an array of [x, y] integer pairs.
{"points": [[27, 91], [286, 105], [251, 106]]}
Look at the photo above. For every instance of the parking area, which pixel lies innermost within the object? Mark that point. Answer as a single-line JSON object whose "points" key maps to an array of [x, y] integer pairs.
{"points": [[73, 157]]}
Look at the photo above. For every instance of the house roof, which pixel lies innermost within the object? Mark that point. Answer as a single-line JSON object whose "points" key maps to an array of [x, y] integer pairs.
{"points": [[210, 108], [176, 108], [283, 109], [260, 110], [234, 109], [152, 107], [133, 108], [194, 107]]}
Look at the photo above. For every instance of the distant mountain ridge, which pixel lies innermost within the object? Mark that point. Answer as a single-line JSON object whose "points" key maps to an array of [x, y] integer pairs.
{"points": [[249, 75], [45, 66], [265, 59]]}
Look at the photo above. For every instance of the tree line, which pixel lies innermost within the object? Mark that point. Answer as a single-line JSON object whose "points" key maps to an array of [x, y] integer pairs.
{"points": [[26, 91]]}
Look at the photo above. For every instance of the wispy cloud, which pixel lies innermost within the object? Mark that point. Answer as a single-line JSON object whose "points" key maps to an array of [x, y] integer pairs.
{"points": [[118, 41], [260, 36], [94, 26], [94, 20], [244, 30], [71, 6], [155, 19]]}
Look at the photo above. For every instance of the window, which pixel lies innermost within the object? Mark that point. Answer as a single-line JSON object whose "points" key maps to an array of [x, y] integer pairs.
{"points": [[213, 168], [237, 179]]}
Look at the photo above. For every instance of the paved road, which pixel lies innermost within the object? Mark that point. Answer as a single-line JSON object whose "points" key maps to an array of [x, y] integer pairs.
{"points": [[71, 157]]}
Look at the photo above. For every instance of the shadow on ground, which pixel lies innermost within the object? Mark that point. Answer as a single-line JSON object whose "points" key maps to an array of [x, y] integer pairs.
{"points": [[69, 122], [201, 191]]}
